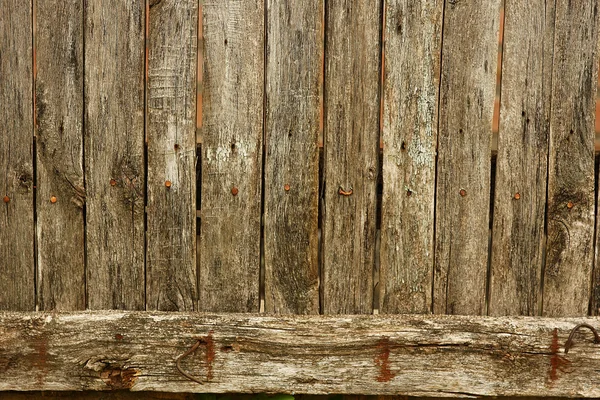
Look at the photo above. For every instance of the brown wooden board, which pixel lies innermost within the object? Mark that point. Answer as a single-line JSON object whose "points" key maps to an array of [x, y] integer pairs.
{"points": [[16, 157], [570, 247], [468, 75], [352, 67], [114, 153], [59, 134], [293, 90], [410, 97], [232, 137], [171, 133]]}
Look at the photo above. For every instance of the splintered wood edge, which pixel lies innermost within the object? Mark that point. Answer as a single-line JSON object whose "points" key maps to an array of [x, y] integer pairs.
{"points": [[417, 355]]}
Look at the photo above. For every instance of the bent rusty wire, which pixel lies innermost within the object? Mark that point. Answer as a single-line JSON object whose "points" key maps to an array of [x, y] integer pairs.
{"points": [[569, 342], [184, 355]]}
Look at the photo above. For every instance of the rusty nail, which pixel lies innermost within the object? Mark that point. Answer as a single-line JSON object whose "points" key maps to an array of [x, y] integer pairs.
{"points": [[569, 342], [6, 199], [113, 182], [184, 355], [408, 192], [517, 196], [570, 205], [53, 199], [463, 192], [234, 191], [286, 187], [168, 184], [343, 192]]}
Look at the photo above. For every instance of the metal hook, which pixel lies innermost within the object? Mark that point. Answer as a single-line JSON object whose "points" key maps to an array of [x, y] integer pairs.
{"points": [[184, 355], [569, 342]]}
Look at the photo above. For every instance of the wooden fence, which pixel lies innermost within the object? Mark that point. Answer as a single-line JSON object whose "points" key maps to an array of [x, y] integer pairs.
{"points": [[343, 166]]}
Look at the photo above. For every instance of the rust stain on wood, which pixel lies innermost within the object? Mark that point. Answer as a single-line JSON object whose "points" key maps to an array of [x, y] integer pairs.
{"points": [[557, 362], [117, 377], [209, 354], [41, 358], [382, 360]]}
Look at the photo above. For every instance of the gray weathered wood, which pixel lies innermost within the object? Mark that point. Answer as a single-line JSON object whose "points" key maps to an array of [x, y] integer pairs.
{"points": [[16, 157], [247, 353], [468, 75], [570, 247], [114, 150], [351, 154], [59, 135], [171, 133], [411, 84], [232, 134], [293, 89]]}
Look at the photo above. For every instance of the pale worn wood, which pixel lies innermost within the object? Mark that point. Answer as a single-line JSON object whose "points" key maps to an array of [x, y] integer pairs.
{"points": [[351, 154], [249, 353], [570, 247], [16, 157], [468, 75], [59, 135], [171, 132], [232, 131], [114, 150], [411, 85], [293, 93]]}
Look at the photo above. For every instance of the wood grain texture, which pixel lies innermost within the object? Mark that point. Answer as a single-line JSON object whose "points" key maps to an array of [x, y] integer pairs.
{"points": [[16, 157], [294, 80], [352, 71], [232, 134], [59, 135], [468, 75], [171, 132], [411, 85], [248, 353], [114, 153], [570, 247]]}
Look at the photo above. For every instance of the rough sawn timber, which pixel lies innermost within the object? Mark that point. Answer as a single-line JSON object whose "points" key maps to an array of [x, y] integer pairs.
{"points": [[247, 353]]}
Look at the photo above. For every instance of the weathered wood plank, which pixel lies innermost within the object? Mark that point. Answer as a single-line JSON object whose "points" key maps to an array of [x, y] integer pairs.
{"points": [[246, 353], [468, 75], [59, 133], [570, 247], [351, 154], [114, 152], [293, 90], [232, 135], [16, 157], [411, 84], [171, 132]]}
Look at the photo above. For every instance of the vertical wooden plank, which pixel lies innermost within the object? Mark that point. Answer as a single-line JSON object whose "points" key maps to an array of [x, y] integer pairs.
{"points": [[567, 274], [59, 133], [411, 84], [521, 168], [171, 132], [16, 157], [468, 75], [232, 133], [351, 150], [114, 153], [294, 78]]}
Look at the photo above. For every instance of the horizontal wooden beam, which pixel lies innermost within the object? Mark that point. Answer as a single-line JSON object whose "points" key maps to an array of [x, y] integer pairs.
{"points": [[247, 353]]}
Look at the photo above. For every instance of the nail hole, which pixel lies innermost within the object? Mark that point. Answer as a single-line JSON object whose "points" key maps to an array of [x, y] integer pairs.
{"points": [[225, 42], [522, 113], [408, 192], [403, 145], [176, 146]]}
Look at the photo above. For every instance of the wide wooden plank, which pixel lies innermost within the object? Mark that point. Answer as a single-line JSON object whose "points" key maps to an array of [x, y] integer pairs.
{"points": [[468, 77], [114, 153], [351, 154], [171, 132], [410, 124], [16, 157], [232, 137], [249, 353], [59, 134], [293, 90], [570, 247]]}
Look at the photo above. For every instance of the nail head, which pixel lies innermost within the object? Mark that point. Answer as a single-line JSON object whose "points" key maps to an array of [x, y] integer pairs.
{"points": [[53, 199], [570, 205], [234, 191], [113, 182], [286, 187], [6, 199], [517, 196], [168, 184], [463, 192]]}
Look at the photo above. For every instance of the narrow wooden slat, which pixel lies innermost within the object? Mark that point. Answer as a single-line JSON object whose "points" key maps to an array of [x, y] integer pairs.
{"points": [[351, 153], [294, 78], [248, 353], [468, 75], [521, 169], [114, 150], [411, 84], [570, 248], [59, 132], [171, 133], [232, 133], [16, 157]]}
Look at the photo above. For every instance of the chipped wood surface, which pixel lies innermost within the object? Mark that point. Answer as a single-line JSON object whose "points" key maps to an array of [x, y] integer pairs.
{"points": [[171, 132], [412, 46], [232, 137], [114, 153], [351, 155]]}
